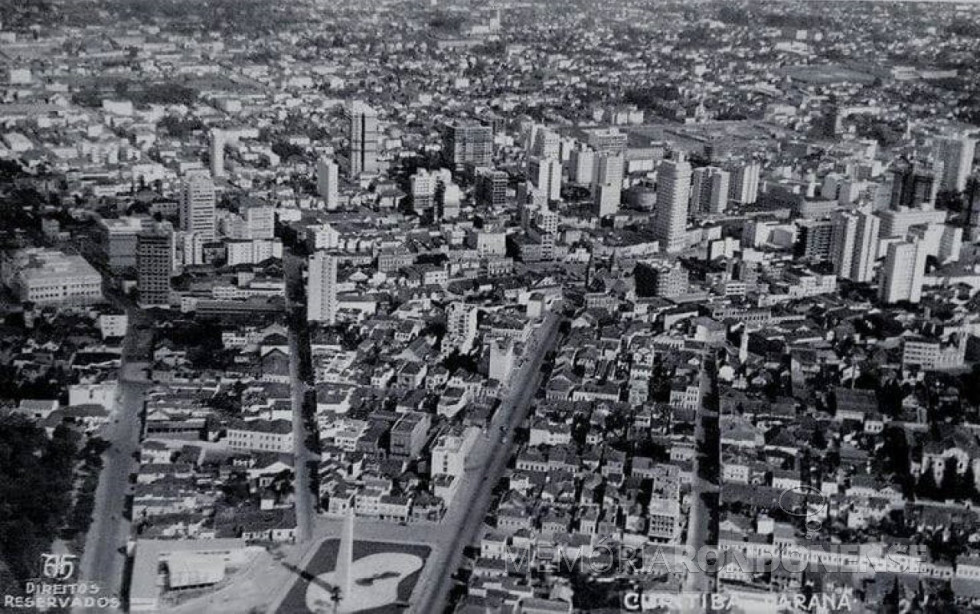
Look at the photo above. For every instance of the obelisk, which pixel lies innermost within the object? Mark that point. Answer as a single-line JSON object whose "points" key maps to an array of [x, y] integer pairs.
{"points": [[345, 557]]}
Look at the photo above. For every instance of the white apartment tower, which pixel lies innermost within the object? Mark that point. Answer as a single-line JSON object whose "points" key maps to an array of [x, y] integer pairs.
{"points": [[956, 155], [545, 174], [461, 322], [854, 245], [545, 143], [321, 299], [607, 186], [217, 153], [744, 184], [670, 219], [197, 204], [581, 165], [903, 272], [327, 182]]}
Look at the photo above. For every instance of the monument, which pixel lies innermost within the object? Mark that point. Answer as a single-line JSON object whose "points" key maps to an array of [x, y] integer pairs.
{"points": [[363, 584]]}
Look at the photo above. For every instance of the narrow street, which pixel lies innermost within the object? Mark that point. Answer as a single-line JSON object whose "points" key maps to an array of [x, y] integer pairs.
{"points": [[702, 519], [305, 505]]}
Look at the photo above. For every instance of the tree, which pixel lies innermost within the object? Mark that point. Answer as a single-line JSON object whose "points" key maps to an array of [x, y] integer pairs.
{"points": [[926, 487], [968, 485], [949, 485]]}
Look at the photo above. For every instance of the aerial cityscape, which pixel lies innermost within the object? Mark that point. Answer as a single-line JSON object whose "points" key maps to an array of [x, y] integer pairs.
{"points": [[518, 307]]}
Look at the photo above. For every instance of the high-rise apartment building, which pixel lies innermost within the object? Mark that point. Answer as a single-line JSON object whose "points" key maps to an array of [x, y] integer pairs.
{"points": [[581, 166], [461, 327], [971, 208], [606, 140], [607, 183], [321, 295], [670, 218], [467, 143], [363, 138], [327, 180], [956, 155], [491, 187], [154, 264], [903, 272], [813, 240], [545, 143], [217, 152], [197, 205], [913, 185], [423, 188], [545, 175], [709, 189], [743, 186], [854, 245]]}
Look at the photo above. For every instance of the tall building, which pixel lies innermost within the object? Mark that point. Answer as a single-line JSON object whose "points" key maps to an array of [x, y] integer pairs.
{"points": [[709, 189], [913, 186], [606, 140], [423, 189], [896, 222], [467, 143], [327, 181], [950, 244], [545, 143], [581, 166], [117, 240], [607, 183], [854, 245], [197, 205], [971, 208], [957, 157], [502, 359], [813, 240], [661, 279], [449, 196], [832, 122], [189, 248], [321, 295], [260, 222], [670, 219], [461, 322], [545, 174], [743, 186], [154, 263], [902, 273], [217, 153], [363, 136], [491, 187]]}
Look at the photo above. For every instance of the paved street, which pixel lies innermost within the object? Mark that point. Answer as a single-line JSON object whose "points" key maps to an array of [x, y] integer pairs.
{"points": [[304, 504], [485, 466], [104, 557], [703, 488]]}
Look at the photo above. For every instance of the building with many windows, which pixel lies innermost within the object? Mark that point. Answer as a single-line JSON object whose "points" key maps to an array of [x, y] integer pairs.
{"points": [[321, 301], [467, 144], [197, 205], [362, 123], [50, 277], [670, 220], [154, 264], [903, 272]]}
